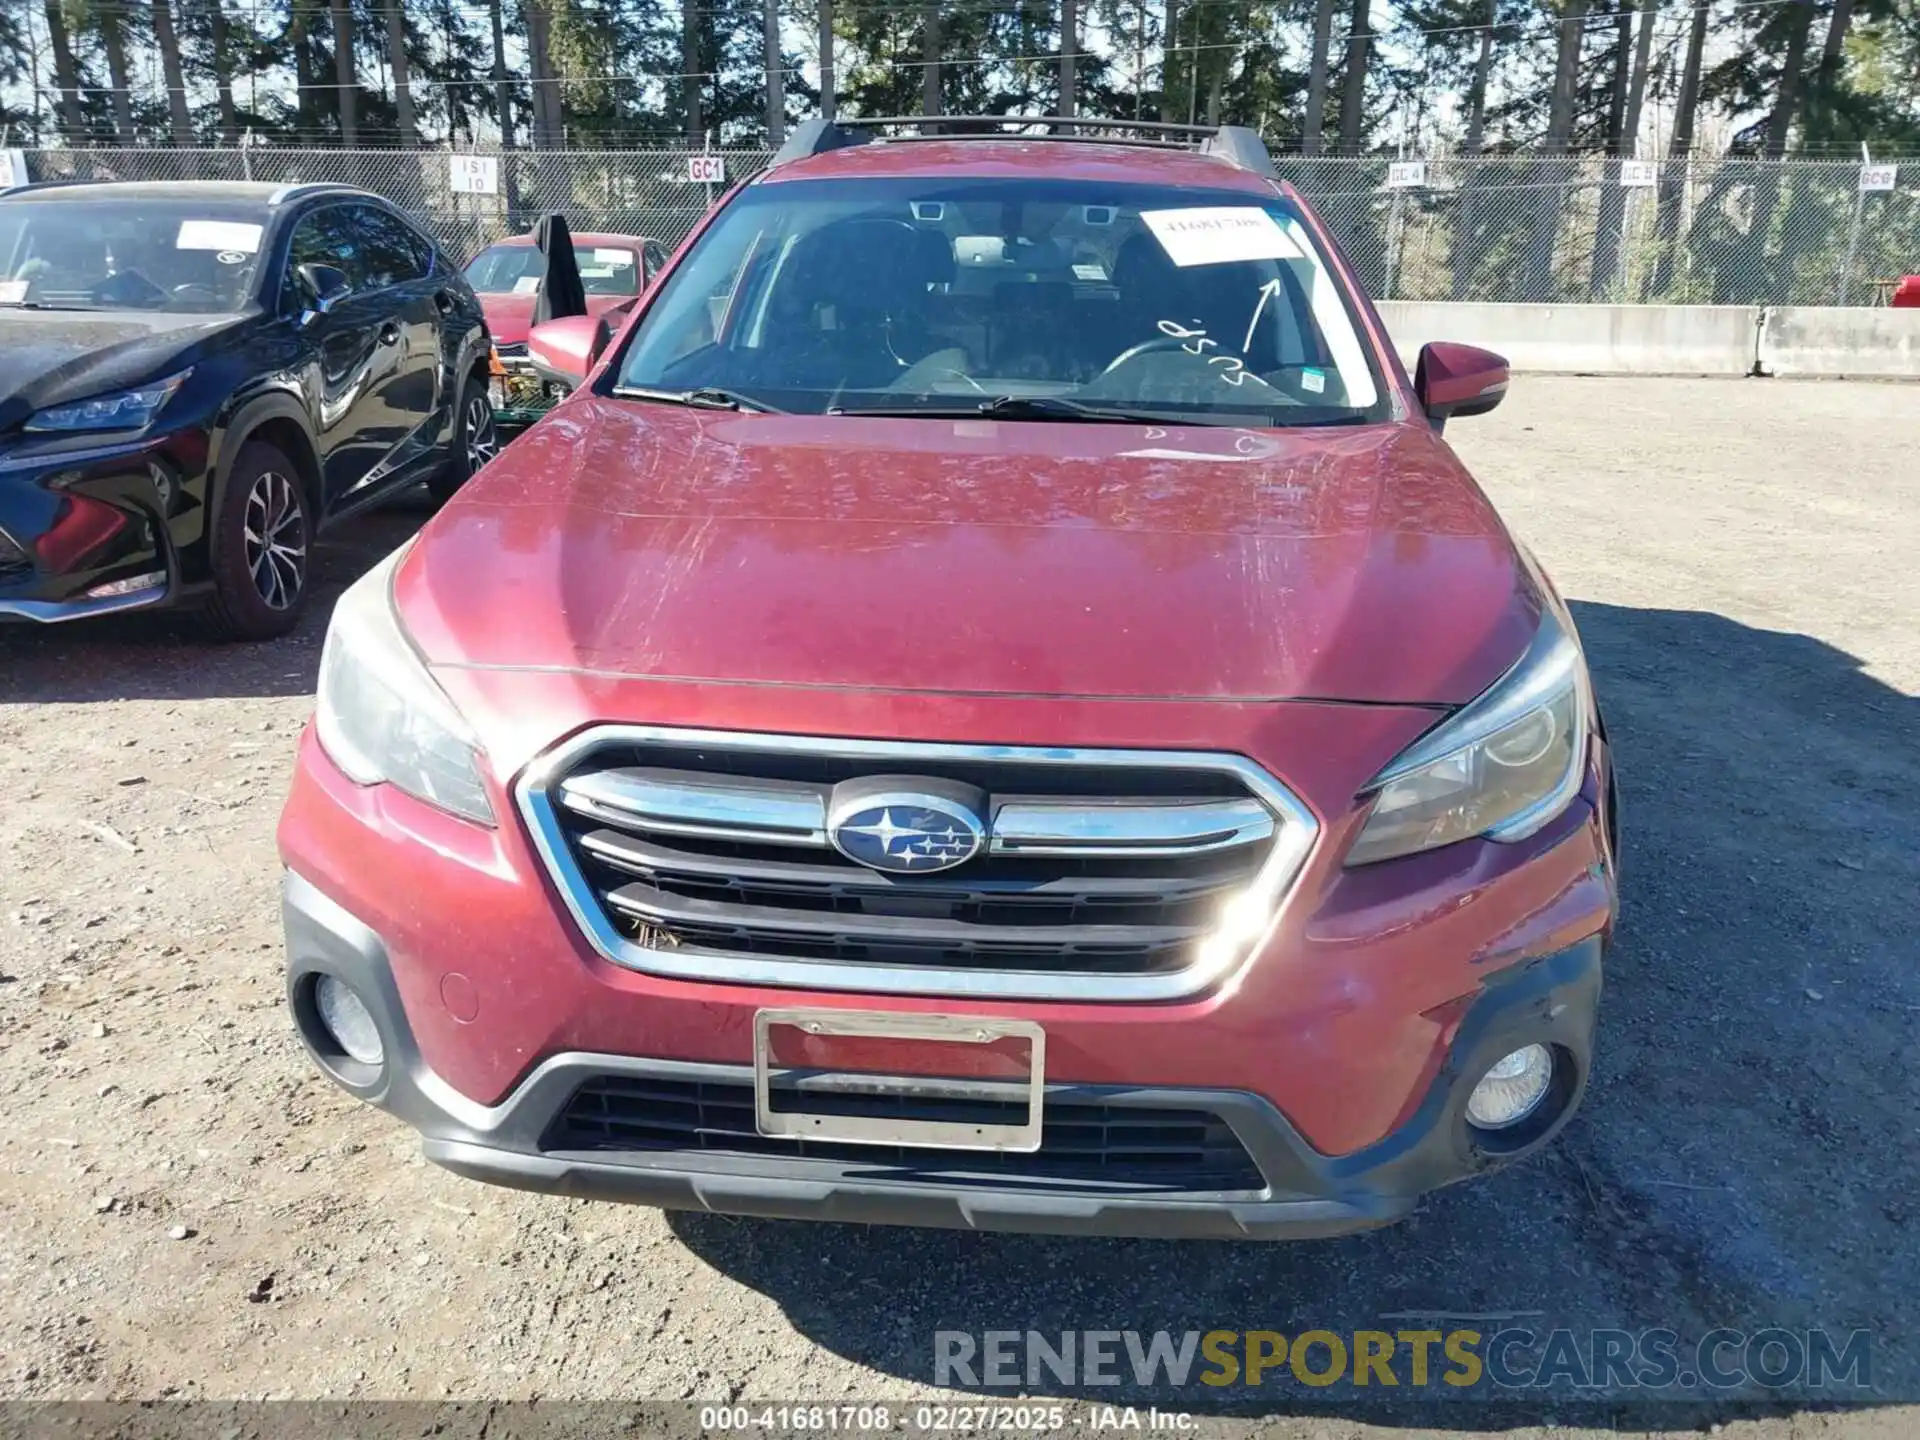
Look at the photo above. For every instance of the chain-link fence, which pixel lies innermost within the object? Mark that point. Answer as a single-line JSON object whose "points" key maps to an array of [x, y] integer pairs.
{"points": [[626, 192], [1560, 229], [1733, 231]]}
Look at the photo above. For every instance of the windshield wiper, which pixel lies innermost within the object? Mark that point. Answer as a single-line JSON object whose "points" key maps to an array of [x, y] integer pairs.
{"points": [[1019, 407], [701, 397], [1055, 407]]}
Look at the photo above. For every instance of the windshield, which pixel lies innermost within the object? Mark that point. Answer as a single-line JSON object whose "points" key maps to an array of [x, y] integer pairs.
{"points": [[1059, 299], [187, 256], [516, 270]]}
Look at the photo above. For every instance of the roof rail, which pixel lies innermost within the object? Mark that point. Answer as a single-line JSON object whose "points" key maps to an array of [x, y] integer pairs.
{"points": [[1235, 144], [816, 137]]}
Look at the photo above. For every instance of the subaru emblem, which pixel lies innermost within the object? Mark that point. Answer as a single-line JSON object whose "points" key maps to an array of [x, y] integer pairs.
{"points": [[907, 825]]}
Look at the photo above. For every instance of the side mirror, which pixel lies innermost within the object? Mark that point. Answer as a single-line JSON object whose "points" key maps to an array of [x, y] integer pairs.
{"points": [[566, 350], [1458, 380], [326, 287]]}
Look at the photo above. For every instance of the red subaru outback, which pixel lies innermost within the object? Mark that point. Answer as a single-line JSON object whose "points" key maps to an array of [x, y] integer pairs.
{"points": [[992, 705]]}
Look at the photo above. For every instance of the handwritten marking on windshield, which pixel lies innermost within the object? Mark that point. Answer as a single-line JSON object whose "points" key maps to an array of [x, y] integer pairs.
{"points": [[1201, 342], [1229, 368], [1267, 292]]}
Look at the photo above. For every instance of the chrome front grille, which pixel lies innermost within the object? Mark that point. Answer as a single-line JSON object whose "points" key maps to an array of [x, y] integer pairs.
{"points": [[1101, 875]]}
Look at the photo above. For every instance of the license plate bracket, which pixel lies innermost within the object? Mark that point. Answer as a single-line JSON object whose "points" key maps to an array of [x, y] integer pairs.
{"points": [[988, 1076]]}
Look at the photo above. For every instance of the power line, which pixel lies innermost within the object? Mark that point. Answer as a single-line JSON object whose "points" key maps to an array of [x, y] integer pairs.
{"points": [[1590, 21]]}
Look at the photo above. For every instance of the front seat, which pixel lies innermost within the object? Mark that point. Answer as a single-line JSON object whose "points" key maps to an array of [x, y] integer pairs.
{"points": [[851, 309], [1149, 288]]}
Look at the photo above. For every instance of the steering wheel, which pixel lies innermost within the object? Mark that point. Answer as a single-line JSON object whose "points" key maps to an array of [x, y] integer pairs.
{"points": [[194, 290], [1146, 347]]}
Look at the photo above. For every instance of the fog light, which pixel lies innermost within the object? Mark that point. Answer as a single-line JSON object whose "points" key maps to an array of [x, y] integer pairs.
{"points": [[348, 1020], [1512, 1089]]}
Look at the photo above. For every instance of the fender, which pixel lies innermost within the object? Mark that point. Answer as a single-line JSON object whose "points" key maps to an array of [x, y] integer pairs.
{"points": [[475, 346], [279, 401]]}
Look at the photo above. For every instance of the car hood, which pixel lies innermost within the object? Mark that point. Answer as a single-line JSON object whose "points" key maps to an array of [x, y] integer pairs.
{"points": [[979, 556], [509, 317], [51, 356]]}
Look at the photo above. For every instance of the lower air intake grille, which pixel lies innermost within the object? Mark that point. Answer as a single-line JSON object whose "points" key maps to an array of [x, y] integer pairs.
{"points": [[15, 563], [1118, 1148], [1086, 875]]}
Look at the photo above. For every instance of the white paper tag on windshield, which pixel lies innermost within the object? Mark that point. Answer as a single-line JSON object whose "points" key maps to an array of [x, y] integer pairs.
{"points": [[527, 285], [218, 235], [13, 292], [1219, 234], [1095, 273], [615, 258]]}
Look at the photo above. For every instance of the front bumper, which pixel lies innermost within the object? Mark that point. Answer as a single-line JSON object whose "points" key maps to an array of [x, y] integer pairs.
{"points": [[1306, 1194], [92, 528]]}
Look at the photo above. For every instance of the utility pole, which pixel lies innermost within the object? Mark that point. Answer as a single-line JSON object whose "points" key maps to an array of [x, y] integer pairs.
{"points": [[1169, 47], [502, 91], [1069, 45], [930, 58], [826, 59], [776, 81], [690, 77]]}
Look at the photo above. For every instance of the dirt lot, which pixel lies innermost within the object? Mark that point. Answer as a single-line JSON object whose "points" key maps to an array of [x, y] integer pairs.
{"points": [[1741, 557]]}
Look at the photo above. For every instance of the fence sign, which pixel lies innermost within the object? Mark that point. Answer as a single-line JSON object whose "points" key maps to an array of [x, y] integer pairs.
{"points": [[1877, 177], [707, 169], [474, 175], [1639, 174], [1406, 174], [13, 169]]}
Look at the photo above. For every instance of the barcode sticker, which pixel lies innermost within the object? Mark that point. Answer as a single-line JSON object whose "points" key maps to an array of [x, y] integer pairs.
{"points": [[1219, 235], [217, 235]]}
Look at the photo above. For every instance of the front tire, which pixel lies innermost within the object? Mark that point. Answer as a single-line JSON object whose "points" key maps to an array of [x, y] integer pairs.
{"points": [[262, 542], [476, 440]]}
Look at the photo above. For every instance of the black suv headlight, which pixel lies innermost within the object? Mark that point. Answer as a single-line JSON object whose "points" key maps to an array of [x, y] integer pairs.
{"points": [[122, 410]]}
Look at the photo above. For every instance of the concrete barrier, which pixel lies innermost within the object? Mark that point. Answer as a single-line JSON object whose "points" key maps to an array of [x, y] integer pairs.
{"points": [[1587, 339], [1830, 341]]}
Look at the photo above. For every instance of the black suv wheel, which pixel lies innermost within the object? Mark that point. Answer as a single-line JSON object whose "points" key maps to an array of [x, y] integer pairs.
{"points": [[262, 539], [476, 440]]}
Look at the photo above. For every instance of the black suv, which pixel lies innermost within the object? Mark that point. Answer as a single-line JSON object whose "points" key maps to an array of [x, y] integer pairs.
{"points": [[194, 377]]}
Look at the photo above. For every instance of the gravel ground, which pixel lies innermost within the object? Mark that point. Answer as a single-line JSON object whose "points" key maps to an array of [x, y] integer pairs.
{"points": [[1740, 558]]}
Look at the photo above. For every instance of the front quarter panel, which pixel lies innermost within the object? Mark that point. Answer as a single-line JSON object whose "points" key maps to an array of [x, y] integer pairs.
{"points": [[464, 340], [261, 380]]}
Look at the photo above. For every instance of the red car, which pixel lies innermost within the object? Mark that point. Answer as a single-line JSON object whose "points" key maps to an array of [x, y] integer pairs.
{"points": [[506, 277], [993, 705]]}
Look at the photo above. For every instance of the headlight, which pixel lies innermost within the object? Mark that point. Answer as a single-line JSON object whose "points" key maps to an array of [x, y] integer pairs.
{"points": [[1503, 767], [123, 410], [381, 716]]}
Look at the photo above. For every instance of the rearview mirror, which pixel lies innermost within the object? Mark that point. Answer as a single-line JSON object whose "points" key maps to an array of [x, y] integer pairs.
{"points": [[1457, 380], [567, 349], [326, 287]]}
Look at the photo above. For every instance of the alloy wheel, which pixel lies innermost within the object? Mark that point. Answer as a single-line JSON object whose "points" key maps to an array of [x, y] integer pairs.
{"points": [[276, 540], [483, 441]]}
